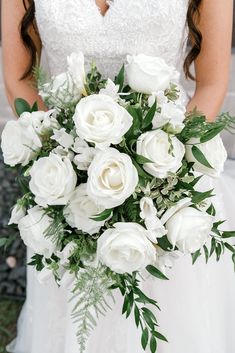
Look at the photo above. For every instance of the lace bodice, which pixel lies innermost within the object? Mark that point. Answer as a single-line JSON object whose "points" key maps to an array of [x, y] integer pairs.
{"points": [[153, 27]]}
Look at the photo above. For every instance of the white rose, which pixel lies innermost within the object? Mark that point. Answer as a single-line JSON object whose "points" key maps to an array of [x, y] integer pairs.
{"points": [[76, 68], [189, 229], [155, 146], [170, 113], [65, 254], [101, 120], [81, 209], [60, 90], [178, 206], [126, 248], [85, 154], [52, 180], [215, 153], [112, 178], [111, 90], [147, 74], [17, 213], [20, 142], [63, 138], [149, 215], [32, 229]]}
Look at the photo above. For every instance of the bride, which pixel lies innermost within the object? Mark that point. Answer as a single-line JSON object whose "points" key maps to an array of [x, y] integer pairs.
{"points": [[198, 310]]}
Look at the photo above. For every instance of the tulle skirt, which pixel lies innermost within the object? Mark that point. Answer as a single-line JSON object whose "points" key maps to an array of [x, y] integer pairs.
{"points": [[197, 306]]}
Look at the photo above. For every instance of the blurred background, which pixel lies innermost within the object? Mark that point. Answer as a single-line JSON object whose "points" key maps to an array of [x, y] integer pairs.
{"points": [[12, 261]]}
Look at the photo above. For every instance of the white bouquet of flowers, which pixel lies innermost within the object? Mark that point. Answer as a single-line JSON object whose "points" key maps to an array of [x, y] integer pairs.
{"points": [[109, 189]]}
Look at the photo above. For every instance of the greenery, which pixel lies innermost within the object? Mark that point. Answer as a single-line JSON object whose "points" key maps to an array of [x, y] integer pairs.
{"points": [[9, 312]]}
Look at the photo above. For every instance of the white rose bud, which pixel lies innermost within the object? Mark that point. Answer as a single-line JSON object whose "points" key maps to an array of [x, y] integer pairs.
{"points": [[85, 154], [149, 215], [101, 120], [189, 229], [32, 229], [126, 248], [215, 153], [52, 180], [76, 68], [111, 90], [81, 209], [17, 213], [155, 146], [112, 178], [65, 254], [63, 138], [147, 74], [20, 142], [171, 113]]}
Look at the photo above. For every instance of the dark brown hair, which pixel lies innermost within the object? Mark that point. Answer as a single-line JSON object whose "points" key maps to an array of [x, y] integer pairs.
{"points": [[195, 37], [27, 24]]}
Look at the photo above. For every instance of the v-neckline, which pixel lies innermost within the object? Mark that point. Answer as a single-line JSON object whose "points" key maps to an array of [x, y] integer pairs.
{"points": [[103, 15]]}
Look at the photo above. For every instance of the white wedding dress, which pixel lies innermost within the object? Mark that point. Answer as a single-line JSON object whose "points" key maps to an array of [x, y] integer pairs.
{"points": [[198, 303]]}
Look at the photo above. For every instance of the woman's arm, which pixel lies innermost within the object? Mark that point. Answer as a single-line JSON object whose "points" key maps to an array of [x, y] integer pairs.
{"points": [[15, 56], [213, 63]]}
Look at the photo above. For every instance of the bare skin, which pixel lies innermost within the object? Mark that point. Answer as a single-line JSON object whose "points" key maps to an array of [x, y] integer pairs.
{"points": [[212, 66]]}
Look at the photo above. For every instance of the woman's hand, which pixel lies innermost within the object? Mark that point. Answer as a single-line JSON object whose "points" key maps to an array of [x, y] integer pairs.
{"points": [[16, 57], [213, 64]]}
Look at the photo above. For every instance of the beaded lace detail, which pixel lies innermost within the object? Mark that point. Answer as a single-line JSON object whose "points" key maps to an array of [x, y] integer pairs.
{"points": [[152, 27]]}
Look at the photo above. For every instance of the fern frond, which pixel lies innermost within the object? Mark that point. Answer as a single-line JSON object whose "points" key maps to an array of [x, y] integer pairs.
{"points": [[94, 299]]}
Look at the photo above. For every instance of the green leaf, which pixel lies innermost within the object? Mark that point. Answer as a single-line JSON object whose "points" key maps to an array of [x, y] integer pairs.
{"points": [[125, 304], [218, 251], [21, 106], [206, 251], [119, 79], [199, 156], [211, 210], [150, 314], [141, 172], [145, 338], [211, 133], [201, 196], [160, 336], [149, 116], [135, 129], [229, 247], [103, 215], [137, 316], [196, 255], [155, 272], [34, 107], [141, 159], [228, 234], [153, 344]]}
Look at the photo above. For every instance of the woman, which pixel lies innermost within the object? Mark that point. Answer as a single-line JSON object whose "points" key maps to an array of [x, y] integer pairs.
{"points": [[197, 304]]}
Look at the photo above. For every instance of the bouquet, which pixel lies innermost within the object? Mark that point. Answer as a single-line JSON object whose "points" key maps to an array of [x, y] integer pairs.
{"points": [[109, 178]]}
